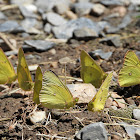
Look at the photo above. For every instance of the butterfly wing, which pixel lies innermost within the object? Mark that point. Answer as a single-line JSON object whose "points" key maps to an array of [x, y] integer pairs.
{"points": [[91, 72], [7, 72], [98, 102], [37, 85], [129, 75], [131, 59], [54, 94], [24, 76]]}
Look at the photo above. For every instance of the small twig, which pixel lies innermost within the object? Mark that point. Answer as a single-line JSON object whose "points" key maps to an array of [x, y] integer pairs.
{"points": [[121, 124], [123, 102], [79, 120], [52, 137], [125, 119], [3, 37], [8, 7], [5, 119], [8, 93]]}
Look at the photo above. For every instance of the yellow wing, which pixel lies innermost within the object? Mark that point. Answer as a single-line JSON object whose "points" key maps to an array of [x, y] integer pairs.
{"points": [[37, 85], [7, 72], [24, 76], [129, 75], [54, 94], [91, 72], [98, 102]]}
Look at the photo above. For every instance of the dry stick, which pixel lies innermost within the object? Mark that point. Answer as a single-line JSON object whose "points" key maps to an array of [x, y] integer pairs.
{"points": [[8, 93], [125, 119], [49, 136], [3, 37], [5, 119], [121, 124], [8, 7], [123, 102]]}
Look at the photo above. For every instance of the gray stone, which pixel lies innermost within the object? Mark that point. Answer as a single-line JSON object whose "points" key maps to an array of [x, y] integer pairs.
{"points": [[82, 0], [29, 25], [130, 129], [48, 5], [135, 2], [85, 33], [39, 45], [9, 53], [61, 8], [48, 28], [82, 8], [126, 21], [66, 31], [94, 131], [104, 25], [54, 19], [2, 16], [111, 2], [113, 15], [21, 2], [136, 114], [111, 30], [112, 41], [101, 53], [10, 26], [26, 13]]}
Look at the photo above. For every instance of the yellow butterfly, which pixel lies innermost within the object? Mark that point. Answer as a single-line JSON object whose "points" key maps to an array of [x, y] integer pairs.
{"points": [[23, 73], [98, 101], [91, 72], [7, 72], [129, 75], [37, 85], [54, 94]]}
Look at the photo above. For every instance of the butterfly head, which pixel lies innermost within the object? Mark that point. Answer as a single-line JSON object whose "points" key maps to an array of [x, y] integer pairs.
{"points": [[75, 100]]}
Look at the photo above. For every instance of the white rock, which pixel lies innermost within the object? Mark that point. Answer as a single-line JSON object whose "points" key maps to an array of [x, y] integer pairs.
{"points": [[31, 7], [37, 116], [85, 92], [136, 114], [135, 2], [98, 9]]}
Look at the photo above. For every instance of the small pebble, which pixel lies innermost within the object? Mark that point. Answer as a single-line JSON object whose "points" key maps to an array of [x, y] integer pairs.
{"points": [[136, 114]]}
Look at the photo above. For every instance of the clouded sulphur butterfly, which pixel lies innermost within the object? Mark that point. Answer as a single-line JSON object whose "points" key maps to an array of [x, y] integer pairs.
{"points": [[54, 94], [98, 101], [129, 75], [7, 72], [91, 72], [37, 85], [24, 76]]}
